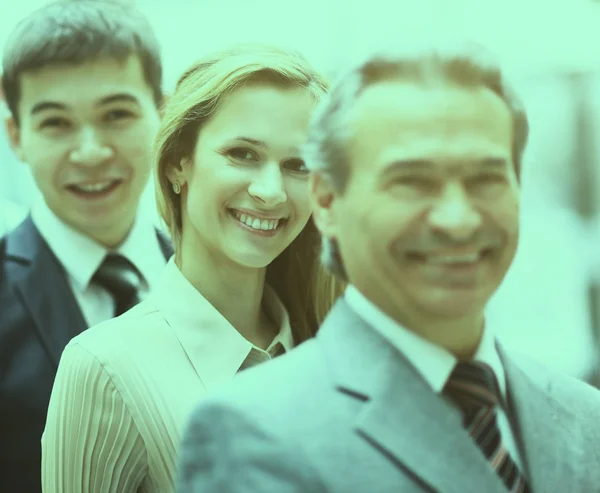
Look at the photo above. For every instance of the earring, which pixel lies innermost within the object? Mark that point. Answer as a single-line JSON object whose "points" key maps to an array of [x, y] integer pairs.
{"points": [[176, 187]]}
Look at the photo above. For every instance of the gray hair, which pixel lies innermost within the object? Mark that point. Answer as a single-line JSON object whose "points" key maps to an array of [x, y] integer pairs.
{"points": [[462, 64]]}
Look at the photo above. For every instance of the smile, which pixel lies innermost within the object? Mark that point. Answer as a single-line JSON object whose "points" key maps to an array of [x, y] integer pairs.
{"points": [[463, 259], [257, 223], [96, 189], [470, 258]]}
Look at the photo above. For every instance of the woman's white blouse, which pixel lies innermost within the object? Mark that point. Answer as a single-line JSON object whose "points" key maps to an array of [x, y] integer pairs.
{"points": [[125, 388]]}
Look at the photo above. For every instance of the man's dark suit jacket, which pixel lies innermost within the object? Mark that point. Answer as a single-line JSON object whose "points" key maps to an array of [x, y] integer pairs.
{"points": [[38, 316]]}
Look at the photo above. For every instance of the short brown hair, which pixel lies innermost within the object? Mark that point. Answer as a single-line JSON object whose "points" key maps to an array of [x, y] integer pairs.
{"points": [[74, 32], [300, 281], [462, 64]]}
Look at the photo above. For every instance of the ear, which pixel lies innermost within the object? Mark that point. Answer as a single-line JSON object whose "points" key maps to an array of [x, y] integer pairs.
{"points": [[178, 173], [324, 199], [14, 137]]}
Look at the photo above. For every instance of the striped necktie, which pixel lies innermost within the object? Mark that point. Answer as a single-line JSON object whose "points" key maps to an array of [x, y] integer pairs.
{"points": [[255, 356], [474, 388], [121, 279]]}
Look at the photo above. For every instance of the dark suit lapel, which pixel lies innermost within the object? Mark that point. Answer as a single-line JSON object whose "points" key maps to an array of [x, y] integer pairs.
{"points": [[44, 290], [401, 416], [165, 244], [548, 431]]}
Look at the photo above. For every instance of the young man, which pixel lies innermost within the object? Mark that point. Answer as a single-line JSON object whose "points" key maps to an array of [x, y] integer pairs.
{"points": [[82, 81], [416, 160]]}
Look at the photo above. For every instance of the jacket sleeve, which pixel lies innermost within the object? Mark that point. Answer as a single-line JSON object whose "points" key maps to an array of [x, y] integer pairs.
{"points": [[224, 451], [90, 443]]}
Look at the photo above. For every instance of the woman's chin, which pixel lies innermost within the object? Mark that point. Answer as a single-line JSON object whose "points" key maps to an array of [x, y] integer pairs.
{"points": [[253, 260]]}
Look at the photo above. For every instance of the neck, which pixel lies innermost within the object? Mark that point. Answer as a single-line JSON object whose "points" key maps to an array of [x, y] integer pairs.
{"points": [[109, 237], [459, 335], [235, 291], [113, 238]]}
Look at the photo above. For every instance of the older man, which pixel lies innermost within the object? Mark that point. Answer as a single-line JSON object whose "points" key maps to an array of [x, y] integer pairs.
{"points": [[416, 159]]}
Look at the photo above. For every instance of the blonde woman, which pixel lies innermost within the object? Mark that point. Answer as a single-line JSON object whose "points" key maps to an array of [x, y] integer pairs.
{"points": [[244, 285]]}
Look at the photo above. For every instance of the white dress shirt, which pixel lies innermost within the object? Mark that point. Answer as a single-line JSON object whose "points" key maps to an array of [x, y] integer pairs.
{"points": [[11, 216], [434, 363], [125, 389], [81, 256]]}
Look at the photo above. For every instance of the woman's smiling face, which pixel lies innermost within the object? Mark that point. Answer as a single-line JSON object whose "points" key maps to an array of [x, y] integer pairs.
{"points": [[245, 188]]}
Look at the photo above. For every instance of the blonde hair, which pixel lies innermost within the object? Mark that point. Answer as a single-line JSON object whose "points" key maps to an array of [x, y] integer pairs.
{"points": [[302, 284], [458, 62]]}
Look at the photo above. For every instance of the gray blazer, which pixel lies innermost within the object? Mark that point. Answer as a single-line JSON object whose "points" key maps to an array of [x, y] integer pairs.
{"points": [[346, 413]]}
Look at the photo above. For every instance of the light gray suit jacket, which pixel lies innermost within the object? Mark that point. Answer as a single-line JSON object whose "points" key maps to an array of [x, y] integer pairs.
{"points": [[347, 413]]}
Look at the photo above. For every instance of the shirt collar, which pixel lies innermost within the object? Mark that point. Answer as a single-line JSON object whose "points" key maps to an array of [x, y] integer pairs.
{"points": [[142, 249], [214, 347], [434, 363], [488, 353], [81, 256], [280, 318]]}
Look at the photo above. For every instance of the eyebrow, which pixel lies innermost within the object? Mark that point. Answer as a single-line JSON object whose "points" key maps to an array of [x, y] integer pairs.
{"points": [[262, 144], [420, 164], [113, 98]]}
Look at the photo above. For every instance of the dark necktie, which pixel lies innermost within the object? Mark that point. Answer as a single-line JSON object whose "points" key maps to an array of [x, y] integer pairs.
{"points": [[121, 279], [255, 357], [474, 388]]}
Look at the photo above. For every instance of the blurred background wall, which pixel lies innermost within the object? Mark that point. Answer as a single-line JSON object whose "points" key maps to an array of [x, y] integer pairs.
{"points": [[549, 304]]}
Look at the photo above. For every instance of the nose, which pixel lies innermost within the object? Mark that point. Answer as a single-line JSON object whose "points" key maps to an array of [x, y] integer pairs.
{"points": [[90, 149], [454, 215], [268, 186]]}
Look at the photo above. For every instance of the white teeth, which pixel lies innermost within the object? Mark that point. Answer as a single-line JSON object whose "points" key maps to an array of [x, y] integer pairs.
{"points": [[453, 259], [95, 187], [256, 223]]}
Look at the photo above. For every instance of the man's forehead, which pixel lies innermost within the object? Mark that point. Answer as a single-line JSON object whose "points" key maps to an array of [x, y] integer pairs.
{"points": [[411, 102], [95, 79], [406, 121]]}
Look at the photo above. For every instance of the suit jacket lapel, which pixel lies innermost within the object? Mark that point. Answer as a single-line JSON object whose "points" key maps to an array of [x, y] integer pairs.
{"points": [[165, 244], [401, 416], [44, 290], [546, 429]]}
